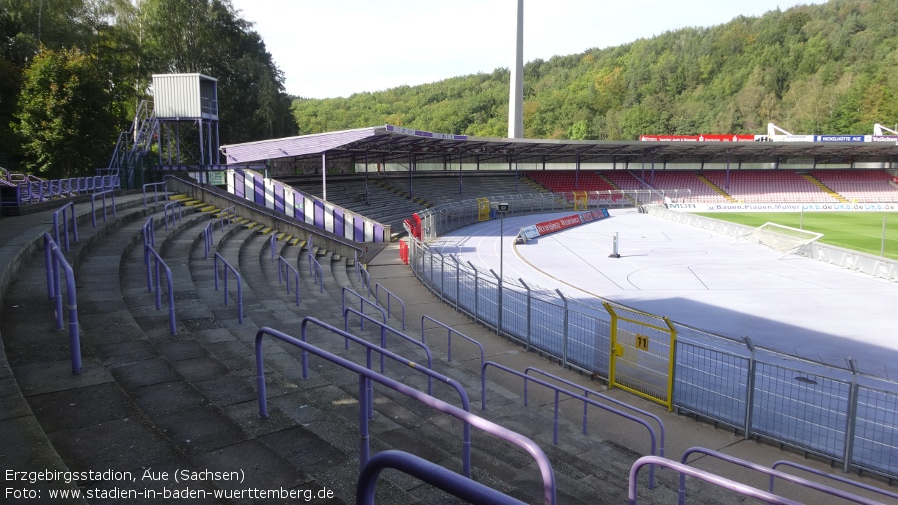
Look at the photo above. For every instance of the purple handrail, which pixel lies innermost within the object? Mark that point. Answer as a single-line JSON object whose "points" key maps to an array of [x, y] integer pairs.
{"points": [[365, 375], [316, 272], [362, 302], [53, 258], [93, 201], [226, 216], [830, 476], [717, 480], [384, 327], [587, 392], [768, 471], [208, 238], [558, 391], [175, 209], [272, 243], [149, 239], [450, 331], [377, 288], [283, 265], [384, 353], [155, 186], [62, 210], [158, 285], [430, 473], [239, 284]]}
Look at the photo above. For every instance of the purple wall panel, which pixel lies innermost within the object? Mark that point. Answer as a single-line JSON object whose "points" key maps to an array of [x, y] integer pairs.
{"points": [[239, 189], [279, 198], [359, 225], [378, 233], [259, 190], [338, 221], [319, 214]]}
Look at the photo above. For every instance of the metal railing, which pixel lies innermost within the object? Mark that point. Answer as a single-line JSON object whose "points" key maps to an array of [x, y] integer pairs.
{"points": [[283, 265], [365, 375], [839, 413], [362, 302], [208, 239], [67, 209], [826, 475], [155, 186], [389, 295], [384, 329], [156, 286], [686, 470], [55, 260], [173, 211], [449, 332], [149, 240], [93, 201], [316, 272], [653, 439], [798, 481], [227, 266]]}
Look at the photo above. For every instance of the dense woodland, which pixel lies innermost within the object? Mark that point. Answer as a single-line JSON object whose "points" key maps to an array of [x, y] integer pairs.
{"points": [[830, 68], [73, 71]]}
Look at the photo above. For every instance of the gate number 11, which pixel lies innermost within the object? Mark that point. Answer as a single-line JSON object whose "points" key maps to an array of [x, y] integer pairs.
{"points": [[642, 342]]}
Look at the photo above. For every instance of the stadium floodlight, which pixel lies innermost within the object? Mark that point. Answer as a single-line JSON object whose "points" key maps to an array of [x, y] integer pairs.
{"points": [[516, 93]]}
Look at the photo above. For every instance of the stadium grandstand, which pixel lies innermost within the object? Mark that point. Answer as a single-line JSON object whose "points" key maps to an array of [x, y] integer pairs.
{"points": [[209, 309]]}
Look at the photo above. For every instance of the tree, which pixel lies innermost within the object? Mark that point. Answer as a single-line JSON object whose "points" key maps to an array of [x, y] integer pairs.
{"points": [[63, 119]]}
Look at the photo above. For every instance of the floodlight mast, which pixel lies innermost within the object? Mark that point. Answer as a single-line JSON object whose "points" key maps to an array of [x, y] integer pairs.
{"points": [[516, 92]]}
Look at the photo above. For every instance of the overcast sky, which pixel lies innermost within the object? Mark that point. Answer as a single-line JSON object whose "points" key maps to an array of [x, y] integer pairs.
{"points": [[339, 47]]}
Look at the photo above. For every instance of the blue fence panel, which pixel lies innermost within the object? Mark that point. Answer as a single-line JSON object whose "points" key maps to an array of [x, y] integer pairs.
{"points": [[801, 409], [589, 339], [546, 331], [711, 383], [487, 300], [876, 431]]}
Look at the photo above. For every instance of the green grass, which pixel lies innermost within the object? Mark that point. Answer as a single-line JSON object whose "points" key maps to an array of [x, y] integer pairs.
{"points": [[860, 231]]}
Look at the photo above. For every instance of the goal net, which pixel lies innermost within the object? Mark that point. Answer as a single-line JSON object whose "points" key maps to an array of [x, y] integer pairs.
{"points": [[784, 239]]}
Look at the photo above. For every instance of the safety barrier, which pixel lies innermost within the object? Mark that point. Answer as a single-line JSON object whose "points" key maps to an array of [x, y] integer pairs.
{"points": [[389, 295], [156, 286], [366, 375], [316, 272], [449, 332], [54, 259], [653, 444], [283, 265], [149, 239], [155, 187], [838, 478], [587, 392], [686, 470], [172, 211], [67, 209], [767, 471], [208, 239], [457, 485], [384, 328], [93, 201], [227, 267], [362, 302]]}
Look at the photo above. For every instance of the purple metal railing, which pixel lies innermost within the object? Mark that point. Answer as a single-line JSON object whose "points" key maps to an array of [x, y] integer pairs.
{"points": [[430, 473], [838, 478], [362, 302], [272, 246], [316, 272], [283, 265], [384, 328], [54, 259], [717, 480], [450, 331], [209, 238], [377, 288], [558, 390], [587, 392], [93, 202], [366, 375], [174, 211], [149, 240], [155, 186], [65, 223], [157, 263], [768, 471], [239, 284], [227, 216]]}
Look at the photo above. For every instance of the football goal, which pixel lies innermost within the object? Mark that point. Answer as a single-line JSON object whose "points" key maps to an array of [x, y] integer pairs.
{"points": [[784, 239]]}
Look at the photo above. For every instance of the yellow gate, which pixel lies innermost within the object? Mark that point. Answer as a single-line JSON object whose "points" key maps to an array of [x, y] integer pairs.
{"points": [[581, 200], [642, 354], [483, 209]]}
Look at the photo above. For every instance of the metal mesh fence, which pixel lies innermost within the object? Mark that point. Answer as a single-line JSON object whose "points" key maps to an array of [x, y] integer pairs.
{"points": [[808, 405]]}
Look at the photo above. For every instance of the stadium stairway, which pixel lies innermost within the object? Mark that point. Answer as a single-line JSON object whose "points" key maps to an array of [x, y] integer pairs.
{"points": [[150, 400]]}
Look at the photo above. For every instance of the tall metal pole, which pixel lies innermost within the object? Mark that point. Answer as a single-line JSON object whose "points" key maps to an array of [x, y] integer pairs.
{"points": [[516, 92], [324, 177]]}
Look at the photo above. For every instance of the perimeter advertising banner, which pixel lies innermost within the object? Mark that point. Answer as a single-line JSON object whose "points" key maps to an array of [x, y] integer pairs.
{"points": [[783, 207], [546, 227]]}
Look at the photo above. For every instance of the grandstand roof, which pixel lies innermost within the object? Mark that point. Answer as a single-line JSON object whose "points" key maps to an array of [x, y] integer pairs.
{"points": [[393, 143]]}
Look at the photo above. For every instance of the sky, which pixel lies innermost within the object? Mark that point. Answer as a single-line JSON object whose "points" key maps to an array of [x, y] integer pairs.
{"points": [[335, 48]]}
